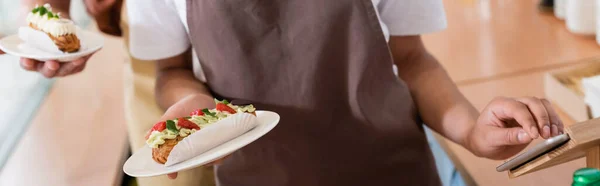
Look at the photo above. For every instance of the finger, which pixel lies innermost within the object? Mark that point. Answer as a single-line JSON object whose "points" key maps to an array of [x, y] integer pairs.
{"points": [[511, 109], [29, 64], [39, 66], [219, 161], [71, 67], [50, 68], [181, 109], [105, 4], [148, 133], [216, 162], [172, 175], [171, 113], [508, 136], [537, 108], [66, 69], [554, 119], [79, 69], [96, 7], [79, 62]]}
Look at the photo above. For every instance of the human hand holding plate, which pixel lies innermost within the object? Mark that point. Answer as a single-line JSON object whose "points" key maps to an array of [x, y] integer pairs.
{"points": [[204, 137], [184, 108], [53, 68], [50, 38]]}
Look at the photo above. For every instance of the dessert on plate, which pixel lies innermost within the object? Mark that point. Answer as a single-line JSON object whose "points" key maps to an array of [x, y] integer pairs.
{"points": [[165, 135], [60, 30]]}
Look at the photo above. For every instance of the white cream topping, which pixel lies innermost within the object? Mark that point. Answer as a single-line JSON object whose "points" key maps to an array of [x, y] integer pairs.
{"points": [[51, 25]]}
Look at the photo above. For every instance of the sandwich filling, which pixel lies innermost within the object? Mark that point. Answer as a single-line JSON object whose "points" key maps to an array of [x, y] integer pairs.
{"points": [[198, 119]]}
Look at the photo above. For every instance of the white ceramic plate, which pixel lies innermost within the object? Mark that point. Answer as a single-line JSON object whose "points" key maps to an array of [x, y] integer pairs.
{"points": [[141, 164], [90, 41]]}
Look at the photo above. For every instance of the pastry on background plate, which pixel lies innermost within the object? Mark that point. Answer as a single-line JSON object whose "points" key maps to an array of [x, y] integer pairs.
{"points": [[165, 135], [60, 30]]}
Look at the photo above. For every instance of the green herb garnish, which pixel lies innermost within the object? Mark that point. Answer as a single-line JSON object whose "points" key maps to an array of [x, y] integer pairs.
{"points": [[50, 15], [35, 10], [43, 11], [171, 126], [224, 101], [207, 112]]}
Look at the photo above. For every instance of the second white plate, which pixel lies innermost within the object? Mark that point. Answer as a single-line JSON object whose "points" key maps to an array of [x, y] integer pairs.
{"points": [[13, 45]]}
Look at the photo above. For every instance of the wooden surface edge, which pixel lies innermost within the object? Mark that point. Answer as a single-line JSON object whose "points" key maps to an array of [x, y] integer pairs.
{"points": [[537, 163], [592, 157], [584, 141]]}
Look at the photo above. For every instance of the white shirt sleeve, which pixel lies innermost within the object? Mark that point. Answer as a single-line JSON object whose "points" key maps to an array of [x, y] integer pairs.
{"points": [[156, 30], [412, 17]]}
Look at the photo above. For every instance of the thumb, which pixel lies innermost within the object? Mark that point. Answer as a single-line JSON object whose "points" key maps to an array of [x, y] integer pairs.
{"points": [[172, 175], [106, 4], [509, 136], [174, 112]]}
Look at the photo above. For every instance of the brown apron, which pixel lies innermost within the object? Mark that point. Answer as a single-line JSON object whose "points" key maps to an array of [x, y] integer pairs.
{"points": [[325, 67]]}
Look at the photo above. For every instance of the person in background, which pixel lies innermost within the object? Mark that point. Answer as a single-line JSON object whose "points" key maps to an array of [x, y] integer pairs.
{"points": [[326, 68], [141, 108], [546, 5]]}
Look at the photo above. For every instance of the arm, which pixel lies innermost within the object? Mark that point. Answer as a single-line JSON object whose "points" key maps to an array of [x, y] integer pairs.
{"points": [[179, 92], [501, 130], [176, 81], [442, 107], [164, 39]]}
